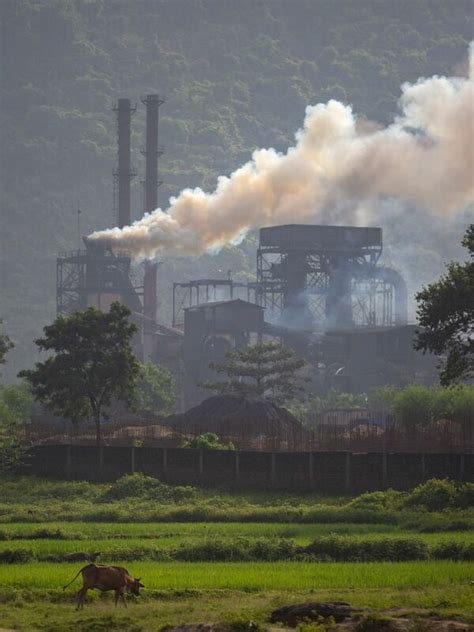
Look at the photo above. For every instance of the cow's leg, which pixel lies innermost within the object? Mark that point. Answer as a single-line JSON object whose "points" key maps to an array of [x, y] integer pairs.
{"points": [[123, 599], [117, 595], [81, 595]]}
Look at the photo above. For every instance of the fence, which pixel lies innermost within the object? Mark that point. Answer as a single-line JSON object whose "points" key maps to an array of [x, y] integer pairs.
{"points": [[325, 472], [335, 430]]}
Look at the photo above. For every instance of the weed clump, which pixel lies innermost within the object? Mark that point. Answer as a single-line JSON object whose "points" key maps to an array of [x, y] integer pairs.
{"points": [[140, 486]]}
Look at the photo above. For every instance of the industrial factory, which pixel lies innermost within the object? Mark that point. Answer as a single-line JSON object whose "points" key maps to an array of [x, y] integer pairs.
{"points": [[319, 289]]}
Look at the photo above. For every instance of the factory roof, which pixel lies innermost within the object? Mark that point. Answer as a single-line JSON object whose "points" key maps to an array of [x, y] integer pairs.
{"points": [[234, 302]]}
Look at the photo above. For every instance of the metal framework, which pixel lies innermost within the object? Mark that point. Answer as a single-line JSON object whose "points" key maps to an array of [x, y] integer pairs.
{"points": [[328, 284], [81, 275], [199, 291]]}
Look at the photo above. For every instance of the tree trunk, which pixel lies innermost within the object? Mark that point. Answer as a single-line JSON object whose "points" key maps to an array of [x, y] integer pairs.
{"points": [[98, 434]]}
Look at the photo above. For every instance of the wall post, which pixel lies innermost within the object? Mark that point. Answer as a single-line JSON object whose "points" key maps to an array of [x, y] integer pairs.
{"points": [[384, 470], [68, 462], [423, 468], [237, 467], [347, 478], [461, 467], [273, 469], [132, 459], [201, 463], [311, 470], [165, 463]]}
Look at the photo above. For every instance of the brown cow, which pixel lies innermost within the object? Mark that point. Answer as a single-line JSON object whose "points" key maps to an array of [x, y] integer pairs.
{"points": [[106, 578]]}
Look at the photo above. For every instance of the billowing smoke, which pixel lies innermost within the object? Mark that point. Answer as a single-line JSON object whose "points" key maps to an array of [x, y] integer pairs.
{"points": [[340, 171]]}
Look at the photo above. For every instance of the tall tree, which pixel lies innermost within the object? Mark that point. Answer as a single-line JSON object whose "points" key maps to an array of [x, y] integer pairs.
{"points": [[92, 364], [446, 314], [266, 369], [5, 344]]}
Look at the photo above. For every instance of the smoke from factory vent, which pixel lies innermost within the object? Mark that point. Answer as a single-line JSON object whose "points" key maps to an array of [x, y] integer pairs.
{"points": [[336, 173]]}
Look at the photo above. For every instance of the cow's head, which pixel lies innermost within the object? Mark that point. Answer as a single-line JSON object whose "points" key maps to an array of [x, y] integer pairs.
{"points": [[135, 585]]}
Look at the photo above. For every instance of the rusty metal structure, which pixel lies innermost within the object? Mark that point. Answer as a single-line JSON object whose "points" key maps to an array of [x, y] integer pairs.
{"points": [[201, 291], [94, 277], [327, 277]]}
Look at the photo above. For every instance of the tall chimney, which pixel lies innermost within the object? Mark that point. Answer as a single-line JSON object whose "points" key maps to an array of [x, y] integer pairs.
{"points": [[124, 171], [152, 152]]}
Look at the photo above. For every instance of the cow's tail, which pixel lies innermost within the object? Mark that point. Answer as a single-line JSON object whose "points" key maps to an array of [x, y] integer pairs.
{"points": [[73, 580]]}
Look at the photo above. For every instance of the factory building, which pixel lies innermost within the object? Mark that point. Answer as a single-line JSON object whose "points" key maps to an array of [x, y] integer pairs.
{"points": [[319, 289]]}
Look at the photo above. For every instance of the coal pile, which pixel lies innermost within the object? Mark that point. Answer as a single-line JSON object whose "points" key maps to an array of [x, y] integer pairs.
{"points": [[245, 420]]}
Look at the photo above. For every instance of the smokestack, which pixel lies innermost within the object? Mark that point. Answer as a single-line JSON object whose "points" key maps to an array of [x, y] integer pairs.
{"points": [[152, 152], [124, 172]]}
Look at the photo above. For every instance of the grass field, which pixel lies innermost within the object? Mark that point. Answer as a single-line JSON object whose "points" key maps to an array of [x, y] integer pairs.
{"points": [[138, 531]]}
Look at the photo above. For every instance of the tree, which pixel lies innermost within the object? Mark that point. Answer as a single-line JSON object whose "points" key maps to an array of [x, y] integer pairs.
{"points": [[446, 314], [93, 363], [266, 369], [5, 344], [155, 392], [15, 408]]}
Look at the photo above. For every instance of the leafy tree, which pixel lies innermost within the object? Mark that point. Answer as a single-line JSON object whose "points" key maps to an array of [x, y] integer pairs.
{"points": [[16, 402], [5, 344], [446, 313], [266, 369], [207, 441], [414, 405], [155, 392], [15, 407], [92, 363]]}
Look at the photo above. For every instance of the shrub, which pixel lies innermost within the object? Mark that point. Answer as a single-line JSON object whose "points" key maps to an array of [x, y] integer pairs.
{"points": [[15, 556], [340, 549], [207, 441], [378, 501], [140, 486], [453, 550], [434, 495]]}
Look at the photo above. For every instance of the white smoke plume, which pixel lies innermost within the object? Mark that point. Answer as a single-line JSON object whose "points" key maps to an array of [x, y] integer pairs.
{"points": [[339, 171]]}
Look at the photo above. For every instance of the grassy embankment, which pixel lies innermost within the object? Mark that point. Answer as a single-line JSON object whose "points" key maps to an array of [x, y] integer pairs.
{"points": [[193, 571]]}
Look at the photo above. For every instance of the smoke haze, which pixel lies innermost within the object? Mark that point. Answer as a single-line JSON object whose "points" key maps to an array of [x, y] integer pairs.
{"points": [[340, 171]]}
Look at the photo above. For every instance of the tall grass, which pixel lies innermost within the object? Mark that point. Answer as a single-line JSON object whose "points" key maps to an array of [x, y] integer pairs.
{"points": [[256, 576]]}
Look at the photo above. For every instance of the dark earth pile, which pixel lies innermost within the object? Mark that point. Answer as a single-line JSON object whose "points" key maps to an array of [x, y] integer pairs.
{"points": [[237, 416]]}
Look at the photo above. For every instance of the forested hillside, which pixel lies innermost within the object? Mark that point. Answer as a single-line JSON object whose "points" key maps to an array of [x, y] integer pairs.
{"points": [[236, 74]]}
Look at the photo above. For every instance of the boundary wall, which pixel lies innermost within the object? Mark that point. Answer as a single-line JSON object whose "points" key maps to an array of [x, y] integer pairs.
{"points": [[325, 472]]}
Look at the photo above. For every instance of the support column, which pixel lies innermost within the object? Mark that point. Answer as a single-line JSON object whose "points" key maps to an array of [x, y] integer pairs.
{"points": [[273, 469], [201, 464], [347, 477], [68, 462], [311, 470], [384, 470], [237, 467], [165, 463]]}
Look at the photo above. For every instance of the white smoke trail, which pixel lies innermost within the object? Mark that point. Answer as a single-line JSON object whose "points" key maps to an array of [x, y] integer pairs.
{"points": [[337, 172]]}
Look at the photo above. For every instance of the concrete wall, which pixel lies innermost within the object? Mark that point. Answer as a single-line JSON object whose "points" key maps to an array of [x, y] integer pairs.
{"points": [[330, 472]]}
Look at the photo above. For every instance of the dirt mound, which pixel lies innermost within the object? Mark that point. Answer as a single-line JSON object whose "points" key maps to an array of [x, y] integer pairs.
{"points": [[238, 416]]}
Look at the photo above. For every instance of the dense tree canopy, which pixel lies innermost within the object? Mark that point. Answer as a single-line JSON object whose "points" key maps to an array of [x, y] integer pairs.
{"points": [[155, 392], [91, 364], [446, 313]]}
